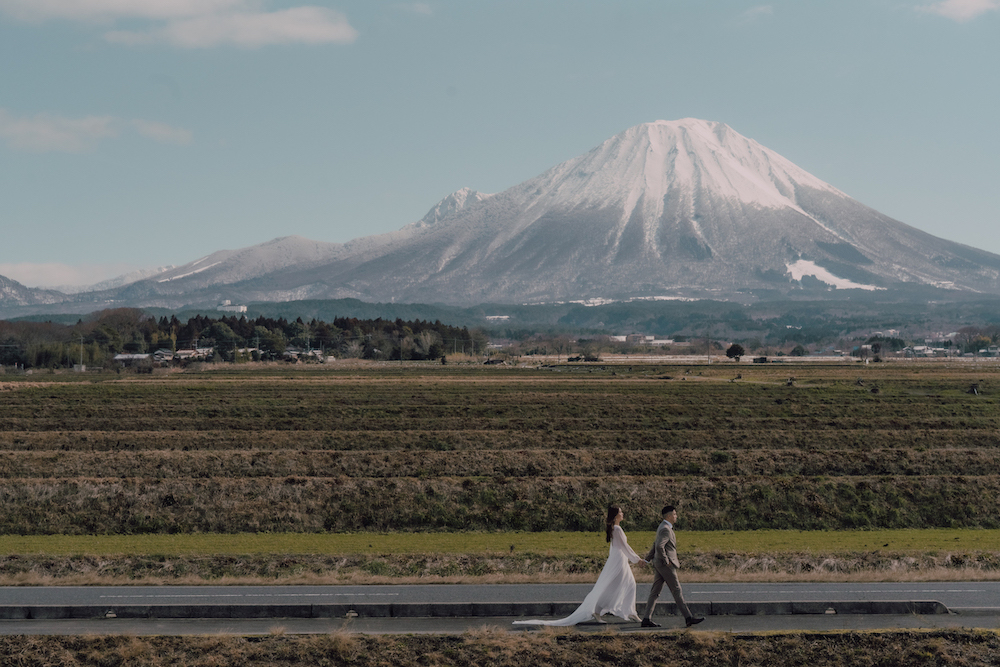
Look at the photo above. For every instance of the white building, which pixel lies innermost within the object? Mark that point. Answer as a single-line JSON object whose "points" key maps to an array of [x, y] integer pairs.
{"points": [[229, 307]]}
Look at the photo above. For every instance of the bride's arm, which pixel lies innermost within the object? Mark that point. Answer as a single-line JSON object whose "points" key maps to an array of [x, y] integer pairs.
{"points": [[620, 541]]}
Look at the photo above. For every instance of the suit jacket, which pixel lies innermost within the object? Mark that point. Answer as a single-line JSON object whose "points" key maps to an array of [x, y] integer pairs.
{"points": [[664, 551]]}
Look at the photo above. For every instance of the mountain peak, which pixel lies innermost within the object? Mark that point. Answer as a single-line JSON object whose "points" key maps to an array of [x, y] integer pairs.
{"points": [[451, 205], [653, 161], [691, 124]]}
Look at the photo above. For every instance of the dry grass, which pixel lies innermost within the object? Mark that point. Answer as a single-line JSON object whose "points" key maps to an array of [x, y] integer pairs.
{"points": [[292, 569], [380, 448], [383, 448], [501, 648], [312, 504]]}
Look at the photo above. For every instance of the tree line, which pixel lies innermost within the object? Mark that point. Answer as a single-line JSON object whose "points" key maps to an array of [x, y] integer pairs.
{"points": [[97, 340]]}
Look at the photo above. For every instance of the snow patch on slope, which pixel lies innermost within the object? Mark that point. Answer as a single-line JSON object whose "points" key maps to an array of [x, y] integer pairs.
{"points": [[189, 273], [806, 268]]}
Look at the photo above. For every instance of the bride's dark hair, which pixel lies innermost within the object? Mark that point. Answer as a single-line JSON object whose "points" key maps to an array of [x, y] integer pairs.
{"points": [[609, 523]]}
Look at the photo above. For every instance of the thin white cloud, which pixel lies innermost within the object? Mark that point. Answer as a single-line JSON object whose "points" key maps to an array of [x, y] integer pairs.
{"points": [[962, 10], [299, 25], [110, 10], [47, 133], [166, 134], [759, 10], [195, 23]]}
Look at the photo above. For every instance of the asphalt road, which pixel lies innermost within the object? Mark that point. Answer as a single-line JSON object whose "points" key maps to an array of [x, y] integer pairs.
{"points": [[974, 605], [954, 595]]}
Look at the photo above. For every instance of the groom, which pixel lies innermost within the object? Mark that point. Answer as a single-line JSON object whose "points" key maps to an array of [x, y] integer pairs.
{"points": [[663, 558]]}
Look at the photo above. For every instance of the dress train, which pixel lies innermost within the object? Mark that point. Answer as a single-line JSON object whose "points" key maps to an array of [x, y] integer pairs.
{"points": [[614, 592]]}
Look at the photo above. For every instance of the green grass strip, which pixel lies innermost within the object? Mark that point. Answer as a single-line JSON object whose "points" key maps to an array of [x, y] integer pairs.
{"points": [[764, 541]]}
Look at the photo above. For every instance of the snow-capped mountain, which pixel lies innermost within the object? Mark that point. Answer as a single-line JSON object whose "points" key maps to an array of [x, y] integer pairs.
{"points": [[13, 293], [681, 208], [232, 266], [686, 208], [110, 283]]}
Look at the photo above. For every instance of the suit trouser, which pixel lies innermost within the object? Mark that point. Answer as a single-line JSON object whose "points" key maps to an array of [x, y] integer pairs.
{"points": [[666, 574]]}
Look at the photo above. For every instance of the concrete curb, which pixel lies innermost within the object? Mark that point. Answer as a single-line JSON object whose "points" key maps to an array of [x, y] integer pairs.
{"points": [[884, 607], [452, 610]]}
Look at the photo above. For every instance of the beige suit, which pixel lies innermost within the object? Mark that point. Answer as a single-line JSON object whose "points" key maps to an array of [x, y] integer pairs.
{"points": [[663, 557]]}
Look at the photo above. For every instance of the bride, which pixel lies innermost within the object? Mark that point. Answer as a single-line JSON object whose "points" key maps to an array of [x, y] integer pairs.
{"points": [[614, 592]]}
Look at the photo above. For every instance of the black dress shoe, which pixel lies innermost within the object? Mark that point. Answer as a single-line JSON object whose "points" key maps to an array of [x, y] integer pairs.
{"points": [[646, 623], [694, 620]]}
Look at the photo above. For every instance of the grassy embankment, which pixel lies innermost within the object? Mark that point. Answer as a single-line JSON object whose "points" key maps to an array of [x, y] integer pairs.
{"points": [[480, 454], [932, 554]]}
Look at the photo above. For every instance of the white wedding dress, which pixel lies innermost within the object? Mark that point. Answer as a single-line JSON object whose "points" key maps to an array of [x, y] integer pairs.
{"points": [[614, 592]]}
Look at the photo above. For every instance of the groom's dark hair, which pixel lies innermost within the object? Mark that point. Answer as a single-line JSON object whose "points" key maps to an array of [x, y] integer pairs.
{"points": [[667, 510]]}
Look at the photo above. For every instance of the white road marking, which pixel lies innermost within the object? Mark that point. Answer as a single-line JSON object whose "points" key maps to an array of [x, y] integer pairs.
{"points": [[252, 595], [838, 594]]}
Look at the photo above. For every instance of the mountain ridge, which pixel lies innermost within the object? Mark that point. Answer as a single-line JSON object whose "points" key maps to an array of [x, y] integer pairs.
{"points": [[672, 209]]}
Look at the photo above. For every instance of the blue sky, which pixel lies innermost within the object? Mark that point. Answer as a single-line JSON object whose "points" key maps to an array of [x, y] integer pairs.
{"points": [[141, 133]]}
